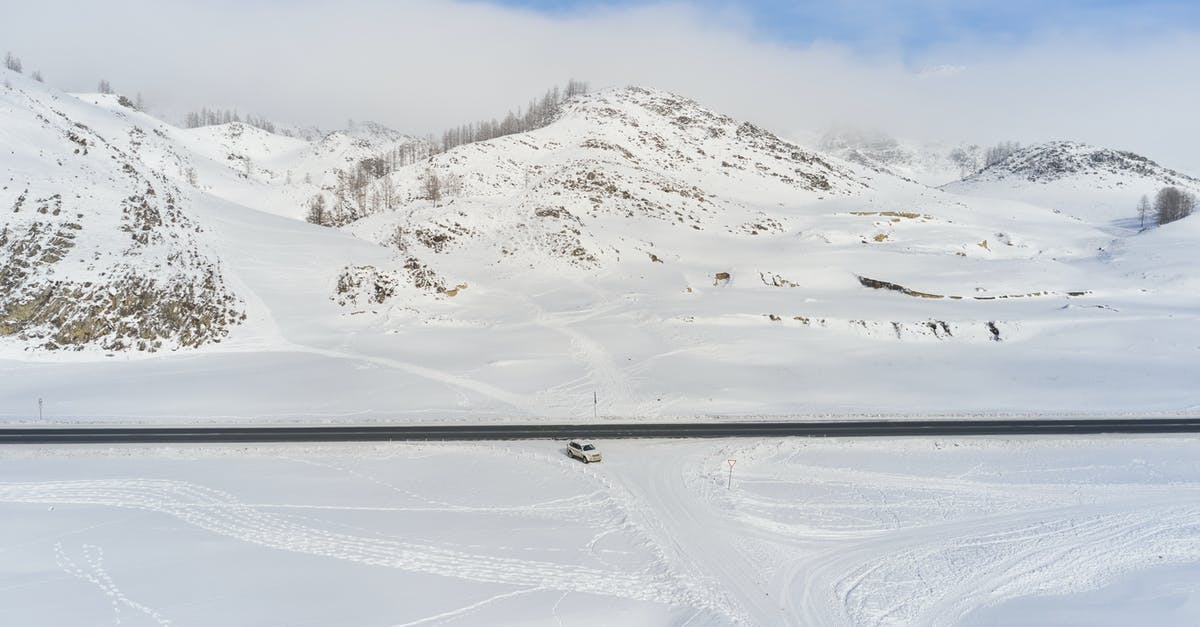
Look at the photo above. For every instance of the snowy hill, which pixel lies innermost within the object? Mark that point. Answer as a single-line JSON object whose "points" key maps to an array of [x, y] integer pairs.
{"points": [[97, 249], [673, 260], [1098, 185], [616, 168]]}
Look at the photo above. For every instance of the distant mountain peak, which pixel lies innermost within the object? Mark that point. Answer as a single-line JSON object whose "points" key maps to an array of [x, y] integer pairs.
{"points": [[371, 130], [1050, 161]]}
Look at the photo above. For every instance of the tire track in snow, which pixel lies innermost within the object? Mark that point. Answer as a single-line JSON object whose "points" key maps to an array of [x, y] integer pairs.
{"points": [[516, 401], [469, 609], [956, 545], [221, 513], [606, 377], [948, 571], [694, 540], [580, 506]]}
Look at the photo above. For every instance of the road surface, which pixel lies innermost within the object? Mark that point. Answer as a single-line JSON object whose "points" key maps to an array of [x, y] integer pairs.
{"points": [[871, 428]]}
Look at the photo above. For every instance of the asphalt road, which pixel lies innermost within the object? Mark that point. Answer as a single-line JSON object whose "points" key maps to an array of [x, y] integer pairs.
{"points": [[871, 428]]}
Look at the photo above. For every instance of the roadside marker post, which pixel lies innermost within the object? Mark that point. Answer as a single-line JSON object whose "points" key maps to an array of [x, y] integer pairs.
{"points": [[731, 462]]}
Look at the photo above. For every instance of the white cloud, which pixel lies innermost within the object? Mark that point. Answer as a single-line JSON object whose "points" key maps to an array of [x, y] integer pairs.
{"points": [[938, 71], [420, 65]]}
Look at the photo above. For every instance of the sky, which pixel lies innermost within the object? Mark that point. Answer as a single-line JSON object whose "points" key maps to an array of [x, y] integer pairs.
{"points": [[1116, 73], [913, 27]]}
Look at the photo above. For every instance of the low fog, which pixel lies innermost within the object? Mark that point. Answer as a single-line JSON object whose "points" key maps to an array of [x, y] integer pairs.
{"points": [[420, 66]]}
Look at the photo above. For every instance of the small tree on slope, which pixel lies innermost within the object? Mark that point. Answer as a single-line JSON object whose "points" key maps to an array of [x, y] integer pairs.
{"points": [[1143, 210]]}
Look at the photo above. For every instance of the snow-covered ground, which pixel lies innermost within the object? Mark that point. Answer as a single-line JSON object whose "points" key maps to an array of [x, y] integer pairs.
{"points": [[812, 532]]}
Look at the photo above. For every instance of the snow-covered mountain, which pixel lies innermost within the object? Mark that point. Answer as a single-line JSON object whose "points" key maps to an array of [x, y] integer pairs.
{"points": [[672, 259], [1098, 185]]}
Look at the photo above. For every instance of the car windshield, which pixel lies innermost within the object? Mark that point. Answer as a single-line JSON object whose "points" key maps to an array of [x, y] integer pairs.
{"points": [[588, 447]]}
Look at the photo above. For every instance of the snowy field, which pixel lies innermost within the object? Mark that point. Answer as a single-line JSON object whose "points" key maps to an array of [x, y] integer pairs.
{"points": [[812, 532]]}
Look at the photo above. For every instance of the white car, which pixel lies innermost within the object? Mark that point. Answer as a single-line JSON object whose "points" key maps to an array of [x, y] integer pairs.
{"points": [[585, 452]]}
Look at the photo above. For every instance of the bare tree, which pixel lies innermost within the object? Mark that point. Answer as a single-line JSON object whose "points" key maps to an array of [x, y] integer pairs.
{"points": [[375, 200], [104, 87], [387, 192], [432, 186], [317, 213], [1143, 211], [37, 76], [452, 185], [13, 63], [359, 182]]}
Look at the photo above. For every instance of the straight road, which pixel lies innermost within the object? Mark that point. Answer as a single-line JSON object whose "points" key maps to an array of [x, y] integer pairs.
{"points": [[866, 428]]}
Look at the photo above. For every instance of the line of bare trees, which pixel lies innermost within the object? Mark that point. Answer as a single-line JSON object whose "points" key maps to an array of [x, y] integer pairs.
{"points": [[353, 197], [368, 187], [213, 117], [972, 159], [539, 113], [999, 152], [406, 154], [14, 63]]}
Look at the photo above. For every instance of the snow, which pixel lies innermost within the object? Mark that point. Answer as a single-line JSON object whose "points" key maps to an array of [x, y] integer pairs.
{"points": [[582, 257], [812, 531], [1156, 596]]}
